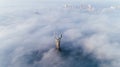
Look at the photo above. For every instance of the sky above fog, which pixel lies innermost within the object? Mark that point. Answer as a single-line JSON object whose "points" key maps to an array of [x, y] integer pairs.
{"points": [[90, 33]]}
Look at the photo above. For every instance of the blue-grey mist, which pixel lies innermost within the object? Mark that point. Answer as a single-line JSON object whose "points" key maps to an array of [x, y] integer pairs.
{"points": [[90, 32]]}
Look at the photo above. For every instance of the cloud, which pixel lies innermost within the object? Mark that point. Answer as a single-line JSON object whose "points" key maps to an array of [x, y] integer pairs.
{"points": [[89, 38]]}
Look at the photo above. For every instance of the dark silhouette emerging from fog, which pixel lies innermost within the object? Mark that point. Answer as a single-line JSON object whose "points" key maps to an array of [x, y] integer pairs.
{"points": [[58, 40]]}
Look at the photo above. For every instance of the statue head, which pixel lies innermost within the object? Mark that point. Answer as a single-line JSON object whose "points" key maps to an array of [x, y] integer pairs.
{"points": [[58, 37]]}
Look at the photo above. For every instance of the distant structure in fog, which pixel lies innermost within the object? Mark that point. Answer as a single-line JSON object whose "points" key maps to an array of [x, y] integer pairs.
{"points": [[58, 40], [88, 7]]}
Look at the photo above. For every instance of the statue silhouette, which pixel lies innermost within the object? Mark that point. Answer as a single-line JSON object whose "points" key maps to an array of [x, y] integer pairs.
{"points": [[58, 40]]}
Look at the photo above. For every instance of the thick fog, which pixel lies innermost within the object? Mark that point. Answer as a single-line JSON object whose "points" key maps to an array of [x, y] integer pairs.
{"points": [[90, 32]]}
